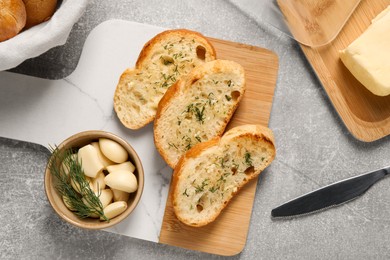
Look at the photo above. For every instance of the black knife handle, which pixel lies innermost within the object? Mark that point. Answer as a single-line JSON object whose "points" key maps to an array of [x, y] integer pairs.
{"points": [[361, 183]]}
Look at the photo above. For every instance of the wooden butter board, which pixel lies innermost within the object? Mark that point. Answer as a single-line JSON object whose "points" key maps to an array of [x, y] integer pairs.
{"points": [[366, 115], [227, 234]]}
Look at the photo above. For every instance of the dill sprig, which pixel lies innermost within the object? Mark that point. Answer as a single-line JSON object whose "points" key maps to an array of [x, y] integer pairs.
{"points": [[64, 167]]}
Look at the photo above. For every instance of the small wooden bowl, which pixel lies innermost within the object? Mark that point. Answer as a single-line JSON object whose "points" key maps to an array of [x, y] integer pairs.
{"points": [[78, 141]]}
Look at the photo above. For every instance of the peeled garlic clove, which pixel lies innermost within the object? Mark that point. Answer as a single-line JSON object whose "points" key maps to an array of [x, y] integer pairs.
{"points": [[113, 151], [93, 215], [76, 185], [114, 209], [105, 197], [122, 180], [103, 159], [126, 166], [66, 200], [98, 182], [120, 195], [89, 160]]}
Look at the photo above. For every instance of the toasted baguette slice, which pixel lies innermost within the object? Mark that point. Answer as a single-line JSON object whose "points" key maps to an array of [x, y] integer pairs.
{"points": [[198, 108], [164, 59], [211, 173]]}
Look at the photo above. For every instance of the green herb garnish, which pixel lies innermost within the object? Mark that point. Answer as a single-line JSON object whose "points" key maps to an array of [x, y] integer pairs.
{"points": [[211, 98], [172, 145], [84, 202], [189, 142], [200, 188], [200, 114], [248, 159], [167, 80], [185, 193], [213, 189], [229, 83], [223, 162], [198, 139]]}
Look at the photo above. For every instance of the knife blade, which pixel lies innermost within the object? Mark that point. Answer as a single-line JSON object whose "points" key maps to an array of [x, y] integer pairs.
{"points": [[330, 196]]}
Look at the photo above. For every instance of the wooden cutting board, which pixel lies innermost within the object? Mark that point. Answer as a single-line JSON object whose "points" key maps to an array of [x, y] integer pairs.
{"points": [[366, 115], [227, 234]]}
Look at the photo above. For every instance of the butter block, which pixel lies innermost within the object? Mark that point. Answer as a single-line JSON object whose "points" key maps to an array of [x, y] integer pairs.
{"points": [[368, 57]]}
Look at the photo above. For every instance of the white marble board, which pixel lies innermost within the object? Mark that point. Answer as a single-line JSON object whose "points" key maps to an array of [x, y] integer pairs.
{"points": [[46, 112]]}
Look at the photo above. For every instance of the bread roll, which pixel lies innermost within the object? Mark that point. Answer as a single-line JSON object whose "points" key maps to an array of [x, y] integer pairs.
{"points": [[12, 18], [39, 11]]}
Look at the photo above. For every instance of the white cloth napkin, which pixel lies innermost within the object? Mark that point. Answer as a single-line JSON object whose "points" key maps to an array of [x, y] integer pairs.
{"points": [[40, 38]]}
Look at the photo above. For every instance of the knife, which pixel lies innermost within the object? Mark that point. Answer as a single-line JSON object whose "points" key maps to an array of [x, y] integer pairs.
{"points": [[329, 196]]}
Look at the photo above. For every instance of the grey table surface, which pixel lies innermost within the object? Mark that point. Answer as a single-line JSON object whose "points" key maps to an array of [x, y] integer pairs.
{"points": [[314, 148]]}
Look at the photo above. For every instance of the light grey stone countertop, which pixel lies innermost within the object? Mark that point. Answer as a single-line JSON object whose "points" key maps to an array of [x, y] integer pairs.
{"points": [[314, 149]]}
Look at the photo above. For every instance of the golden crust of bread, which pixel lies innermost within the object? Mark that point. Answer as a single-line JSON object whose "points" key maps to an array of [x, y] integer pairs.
{"points": [[159, 38], [39, 11], [163, 60], [198, 107], [12, 18], [211, 173]]}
